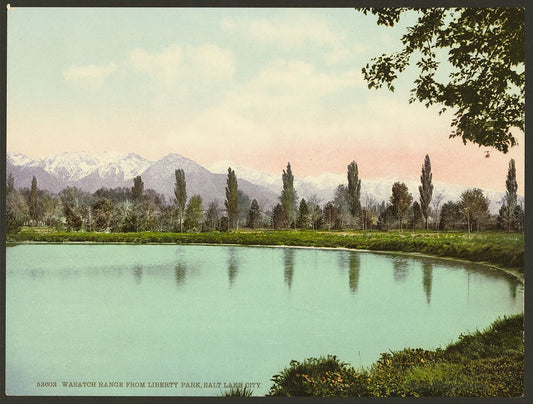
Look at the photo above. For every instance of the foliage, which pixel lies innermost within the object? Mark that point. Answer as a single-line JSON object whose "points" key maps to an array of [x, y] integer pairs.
{"points": [[400, 200], [354, 189], [450, 215], [238, 392], [288, 196], [34, 202], [254, 215], [194, 213], [243, 206], [481, 364], [426, 189], [103, 214], [416, 215], [17, 211], [474, 206], [232, 199], [279, 218], [330, 215], [507, 211], [211, 216], [319, 377], [138, 189], [304, 216], [485, 87], [180, 193]]}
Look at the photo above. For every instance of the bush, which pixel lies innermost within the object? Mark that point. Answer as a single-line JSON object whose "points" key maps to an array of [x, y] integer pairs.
{"points": [[481, 364], [320, 377]]}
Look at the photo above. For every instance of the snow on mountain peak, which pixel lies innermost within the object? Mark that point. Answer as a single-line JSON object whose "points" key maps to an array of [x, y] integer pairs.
{"points": [[18, 159]]}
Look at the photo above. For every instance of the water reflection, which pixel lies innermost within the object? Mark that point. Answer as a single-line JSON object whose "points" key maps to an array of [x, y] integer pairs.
{"points": [[288, 266], [513, 287], [354, 261], [400, 267], [427, 279], [180, 273], [138, 274], [233, 265]]}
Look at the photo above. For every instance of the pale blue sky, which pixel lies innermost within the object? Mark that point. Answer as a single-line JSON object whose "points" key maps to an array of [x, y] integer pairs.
{"points": [[257, 86]]}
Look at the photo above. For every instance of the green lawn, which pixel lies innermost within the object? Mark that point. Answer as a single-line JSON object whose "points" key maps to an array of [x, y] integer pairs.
{"points": [[498, 248]]}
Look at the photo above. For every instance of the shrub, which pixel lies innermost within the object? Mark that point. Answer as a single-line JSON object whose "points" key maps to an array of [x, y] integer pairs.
{"points": [[320, 377]]}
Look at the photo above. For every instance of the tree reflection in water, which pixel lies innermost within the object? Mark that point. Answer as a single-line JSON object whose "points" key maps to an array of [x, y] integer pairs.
{"points": [[401, 267], [180, 274], [354, 261], [288, 266], [427, 279], [233, 265], [138, 273]]}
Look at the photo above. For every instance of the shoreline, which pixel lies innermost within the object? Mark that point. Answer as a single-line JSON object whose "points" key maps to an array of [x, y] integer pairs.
{"points": [[488, 265]]}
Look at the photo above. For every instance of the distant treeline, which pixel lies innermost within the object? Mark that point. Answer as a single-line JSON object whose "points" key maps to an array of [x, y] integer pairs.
{"points": [[137, 209]]}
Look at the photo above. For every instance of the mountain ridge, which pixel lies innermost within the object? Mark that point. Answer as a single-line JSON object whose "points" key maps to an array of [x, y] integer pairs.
{"points": [[91, 171]]}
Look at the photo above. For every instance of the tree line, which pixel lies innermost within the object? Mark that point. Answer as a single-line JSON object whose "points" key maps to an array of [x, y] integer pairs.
{"points": [[138, 209]]}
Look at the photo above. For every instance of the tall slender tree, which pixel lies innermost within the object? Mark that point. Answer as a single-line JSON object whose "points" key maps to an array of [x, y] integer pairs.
{"points": [[138, 189], [426, 189], [511, 199], [232, 198], [34, 201], [180, 193], [288, 195], [354, 190]]}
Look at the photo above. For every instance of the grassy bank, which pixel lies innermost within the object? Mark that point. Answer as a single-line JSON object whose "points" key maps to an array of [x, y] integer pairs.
{"points": [[502, 249], [481, 364]]}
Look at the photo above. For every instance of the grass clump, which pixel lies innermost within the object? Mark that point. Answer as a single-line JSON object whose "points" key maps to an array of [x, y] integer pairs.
{"points": [[238, 392], [481, 364]]}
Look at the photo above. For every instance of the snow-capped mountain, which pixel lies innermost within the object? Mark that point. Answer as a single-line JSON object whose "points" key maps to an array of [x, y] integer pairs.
{"points": [[269, 180], [91, 171], [74, 166]]}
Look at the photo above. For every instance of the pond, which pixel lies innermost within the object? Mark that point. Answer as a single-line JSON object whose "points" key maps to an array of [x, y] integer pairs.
{"points": [[194, 320]]}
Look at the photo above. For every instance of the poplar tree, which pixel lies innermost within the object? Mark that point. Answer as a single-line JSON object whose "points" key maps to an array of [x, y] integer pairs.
{"points": [[510, 196], [138, 189], [180, 194], [34, 201], [426, 189], [232, 198], [288, 195], [354, 189]]}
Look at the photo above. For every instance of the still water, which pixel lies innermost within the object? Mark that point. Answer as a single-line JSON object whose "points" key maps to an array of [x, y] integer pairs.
{"points": [[192, 320]]}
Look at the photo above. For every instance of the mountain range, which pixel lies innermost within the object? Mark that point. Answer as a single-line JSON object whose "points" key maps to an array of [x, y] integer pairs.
{"points": [[91, 171]]}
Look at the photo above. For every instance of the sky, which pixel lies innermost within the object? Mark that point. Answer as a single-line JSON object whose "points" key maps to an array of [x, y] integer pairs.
{"points": [[260, 87]]}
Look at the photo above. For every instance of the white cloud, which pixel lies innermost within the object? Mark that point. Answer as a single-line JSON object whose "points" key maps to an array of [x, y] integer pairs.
{"points": [[296, 33], [211, 61], [90, 76], [165, 65], [175, 63]]}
